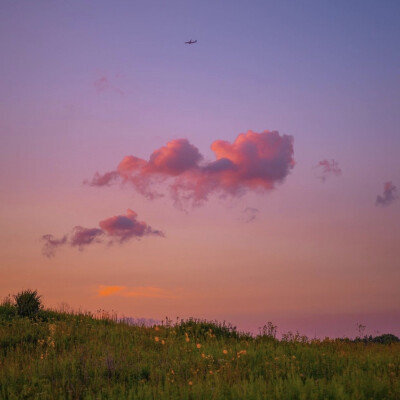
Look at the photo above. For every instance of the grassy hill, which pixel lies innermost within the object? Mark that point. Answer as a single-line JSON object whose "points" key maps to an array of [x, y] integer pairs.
{"points": [[58, 355]]}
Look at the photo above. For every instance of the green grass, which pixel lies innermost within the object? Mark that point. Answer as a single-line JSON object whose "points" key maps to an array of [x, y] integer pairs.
{"points": [[75, 356]]}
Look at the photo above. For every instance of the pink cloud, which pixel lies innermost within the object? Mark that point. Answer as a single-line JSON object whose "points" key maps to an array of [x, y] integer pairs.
{"points": [[250, 214], [328, 168], [81, 237], [253, 162], [389, 195], [103, 84], [120, 228], [51, 244], [125, 227]]}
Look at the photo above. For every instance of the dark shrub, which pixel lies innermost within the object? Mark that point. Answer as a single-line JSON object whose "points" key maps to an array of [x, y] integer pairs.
{"points": [[28, 303], [202, 328], [7, 309], [386, 338]]}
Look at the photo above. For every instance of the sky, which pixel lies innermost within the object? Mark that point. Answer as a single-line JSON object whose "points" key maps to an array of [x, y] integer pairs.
{"points": [[249, 177]]}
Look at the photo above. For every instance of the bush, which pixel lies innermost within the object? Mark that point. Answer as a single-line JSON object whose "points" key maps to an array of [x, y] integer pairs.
{"points": [[28, 303], [7, 309], [203, 328], [386, 338]]}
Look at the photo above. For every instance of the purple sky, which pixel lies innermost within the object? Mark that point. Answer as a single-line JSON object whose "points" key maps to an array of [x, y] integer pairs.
{"points": [[84, 84]]}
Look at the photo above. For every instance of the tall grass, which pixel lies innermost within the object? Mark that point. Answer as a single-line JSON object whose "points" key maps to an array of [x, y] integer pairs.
{"points": [[76, 356]]}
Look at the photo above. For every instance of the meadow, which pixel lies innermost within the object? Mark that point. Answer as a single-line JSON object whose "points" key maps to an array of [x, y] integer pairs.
{"points": [[66, 355]]}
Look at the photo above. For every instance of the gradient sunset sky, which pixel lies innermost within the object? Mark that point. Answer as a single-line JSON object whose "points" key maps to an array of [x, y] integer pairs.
{"points": [[310, 241]]}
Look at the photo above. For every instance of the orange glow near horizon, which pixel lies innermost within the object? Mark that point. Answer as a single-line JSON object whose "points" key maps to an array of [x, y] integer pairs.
{"points": [[140, 291]]}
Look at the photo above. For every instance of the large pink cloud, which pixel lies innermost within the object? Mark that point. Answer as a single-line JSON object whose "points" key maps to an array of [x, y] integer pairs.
{"points": [[254, 161], [119, 228]]}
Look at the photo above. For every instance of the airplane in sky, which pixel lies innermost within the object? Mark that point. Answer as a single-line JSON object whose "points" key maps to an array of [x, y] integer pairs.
{"points": [[191, 41]]}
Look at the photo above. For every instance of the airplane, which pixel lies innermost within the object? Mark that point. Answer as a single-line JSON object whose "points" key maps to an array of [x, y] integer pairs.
{"points": [[191, 41]]}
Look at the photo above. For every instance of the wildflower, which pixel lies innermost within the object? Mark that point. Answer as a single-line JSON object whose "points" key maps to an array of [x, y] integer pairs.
{"points": [[211, 372], [225, 351], [198, 345], [294, 357], [203, 355], [52, 328], [157, 339], [187, 339], [156, 328], [163, 342], [190, 383], [172, 372]]}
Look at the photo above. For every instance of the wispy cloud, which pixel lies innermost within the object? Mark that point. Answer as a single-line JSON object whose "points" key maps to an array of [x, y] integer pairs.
{"points": [[109, 290], [253, 162], [328, 168], [389, 195], [250, 214], [138, 291], [119, 228], [51, 244], [103, 84]]}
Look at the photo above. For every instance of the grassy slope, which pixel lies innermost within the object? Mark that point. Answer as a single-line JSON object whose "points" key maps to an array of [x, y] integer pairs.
{"points": [[78, 357]]}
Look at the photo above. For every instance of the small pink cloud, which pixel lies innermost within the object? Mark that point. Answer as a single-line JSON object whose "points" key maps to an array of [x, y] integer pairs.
{"points": [[81, 237], [120, 228], [389, 195], [125, 227], [51, 244], [328, 168], [250, 214], [103, 84]]}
